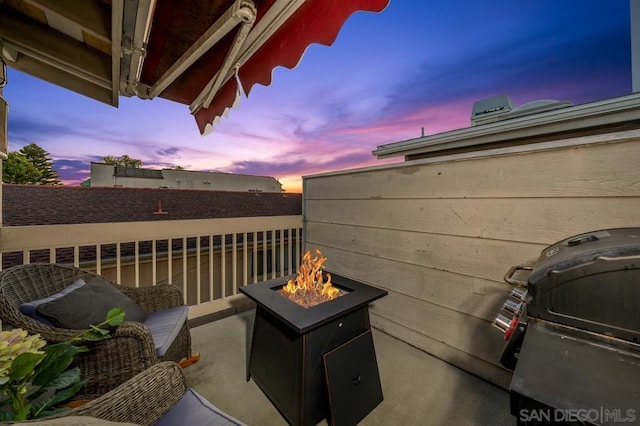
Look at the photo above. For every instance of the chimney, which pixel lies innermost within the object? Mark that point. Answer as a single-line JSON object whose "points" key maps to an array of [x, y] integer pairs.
{"points": [[159, 209]]}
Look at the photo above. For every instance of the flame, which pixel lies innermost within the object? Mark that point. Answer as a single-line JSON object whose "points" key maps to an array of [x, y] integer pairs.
{"points": [[310, 282]]}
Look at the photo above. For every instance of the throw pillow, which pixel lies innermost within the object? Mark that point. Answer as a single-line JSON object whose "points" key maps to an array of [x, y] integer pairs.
{"points": [[29, 308], [89, 305]]}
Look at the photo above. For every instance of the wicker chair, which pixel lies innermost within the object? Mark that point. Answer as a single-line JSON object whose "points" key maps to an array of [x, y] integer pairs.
{"points": [[145, 399], [110, 362]]}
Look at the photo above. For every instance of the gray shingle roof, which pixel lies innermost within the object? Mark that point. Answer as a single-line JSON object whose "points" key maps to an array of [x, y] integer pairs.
{"points": [[50, 205]]}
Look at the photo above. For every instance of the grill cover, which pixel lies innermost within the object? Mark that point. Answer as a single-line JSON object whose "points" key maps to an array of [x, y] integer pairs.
{"points": [[590, 281]]}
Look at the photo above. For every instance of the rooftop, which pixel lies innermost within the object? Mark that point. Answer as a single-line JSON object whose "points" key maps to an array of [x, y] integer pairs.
{"points": [[56, 205]]}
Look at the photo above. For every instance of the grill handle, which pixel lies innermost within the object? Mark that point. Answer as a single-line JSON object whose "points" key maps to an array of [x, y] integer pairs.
{"points": [[508, 277]]}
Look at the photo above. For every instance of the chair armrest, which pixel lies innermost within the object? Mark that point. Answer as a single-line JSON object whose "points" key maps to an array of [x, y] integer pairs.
{"points": [[112, 361], [57, 334], [143, 399], [155, 298], [137, 331]]}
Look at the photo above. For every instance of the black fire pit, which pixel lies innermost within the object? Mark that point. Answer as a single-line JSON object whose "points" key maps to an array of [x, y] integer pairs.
{"points": [[319, 362]]}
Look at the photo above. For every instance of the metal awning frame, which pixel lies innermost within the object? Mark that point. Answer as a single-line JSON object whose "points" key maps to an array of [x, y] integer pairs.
{"points": [[247, 41], [241, 12]]}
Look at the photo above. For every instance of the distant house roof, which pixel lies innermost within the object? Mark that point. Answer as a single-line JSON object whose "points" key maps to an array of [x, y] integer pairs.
{"points": [[53, 205]]}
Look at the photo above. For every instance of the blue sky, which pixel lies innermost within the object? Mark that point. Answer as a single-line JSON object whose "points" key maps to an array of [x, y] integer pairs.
{"points": [[416, 64]]}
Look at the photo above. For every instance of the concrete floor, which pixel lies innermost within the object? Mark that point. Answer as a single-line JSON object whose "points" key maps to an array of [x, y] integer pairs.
{"points": [[418, 389]]}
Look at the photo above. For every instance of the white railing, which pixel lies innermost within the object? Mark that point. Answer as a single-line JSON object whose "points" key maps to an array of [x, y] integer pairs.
{"points": [[208, 259]]}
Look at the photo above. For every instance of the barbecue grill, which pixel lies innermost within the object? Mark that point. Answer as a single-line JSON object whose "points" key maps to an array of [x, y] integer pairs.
{"points": [[572, 331]]}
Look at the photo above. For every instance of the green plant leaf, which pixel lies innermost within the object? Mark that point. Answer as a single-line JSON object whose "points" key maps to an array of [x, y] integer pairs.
{"points": [[6, 416], [102, 330], [95, 335], [115, 317], [37, 393], [24, 364], [53, 411], [21, 412], [41, 410], [99, 330], [66, 379], [58, 358]]}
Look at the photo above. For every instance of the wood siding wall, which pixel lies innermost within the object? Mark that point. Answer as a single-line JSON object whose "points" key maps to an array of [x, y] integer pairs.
{"points": [[439, 236]]}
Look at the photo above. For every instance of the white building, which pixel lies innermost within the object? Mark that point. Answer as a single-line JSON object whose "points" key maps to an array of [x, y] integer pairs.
{"points": [[130, 177]]}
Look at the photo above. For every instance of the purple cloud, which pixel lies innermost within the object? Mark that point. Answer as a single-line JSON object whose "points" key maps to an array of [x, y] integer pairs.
{"points": [[168, 151]]}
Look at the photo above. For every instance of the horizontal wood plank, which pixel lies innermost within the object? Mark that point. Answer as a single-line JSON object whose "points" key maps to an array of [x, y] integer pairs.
{"points": [[537, 220], [601, 170], [476, 257]]}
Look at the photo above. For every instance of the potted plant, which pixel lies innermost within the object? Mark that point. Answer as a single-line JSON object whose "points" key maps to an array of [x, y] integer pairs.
{"points": [[35, 378]]}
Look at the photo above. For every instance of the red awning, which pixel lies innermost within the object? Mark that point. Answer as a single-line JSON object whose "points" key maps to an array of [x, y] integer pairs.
{"points": [[177, 29]]}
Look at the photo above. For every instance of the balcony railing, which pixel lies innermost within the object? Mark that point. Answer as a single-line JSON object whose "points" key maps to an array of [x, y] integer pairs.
{"points": [[208, 259]]}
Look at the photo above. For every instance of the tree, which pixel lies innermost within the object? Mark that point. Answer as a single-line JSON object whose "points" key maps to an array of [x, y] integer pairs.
{"points": [[18, 169], [123, 161], [42, 161]]}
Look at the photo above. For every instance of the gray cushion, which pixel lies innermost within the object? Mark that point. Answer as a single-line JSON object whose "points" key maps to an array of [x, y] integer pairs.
{"points": [[193, 409], [165, 326], [29, 308], [89, 305]]}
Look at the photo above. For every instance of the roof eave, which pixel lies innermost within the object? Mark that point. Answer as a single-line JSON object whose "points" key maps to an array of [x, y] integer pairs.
{"points": [[608, 112]]}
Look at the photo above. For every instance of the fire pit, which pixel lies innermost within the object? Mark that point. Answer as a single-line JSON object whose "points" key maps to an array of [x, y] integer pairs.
{"points": [[315, 362]]}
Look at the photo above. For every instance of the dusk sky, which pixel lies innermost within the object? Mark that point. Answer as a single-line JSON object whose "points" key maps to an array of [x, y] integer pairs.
{"points": [[416, 64]]}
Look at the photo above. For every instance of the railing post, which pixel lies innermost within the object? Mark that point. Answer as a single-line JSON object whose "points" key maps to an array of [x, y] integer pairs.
{"points": [[198, 281], [184, 267], [154, 262], [136, 263], [118, 264], [211, 252], [244, 259], [273, 253], [223, 269], [234, 261], [281, 241], [170, 261], [255, 257]]}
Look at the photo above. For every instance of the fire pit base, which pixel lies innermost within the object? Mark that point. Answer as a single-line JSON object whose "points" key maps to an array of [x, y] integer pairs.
{"points": [[291, 345], [353, 381]]}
